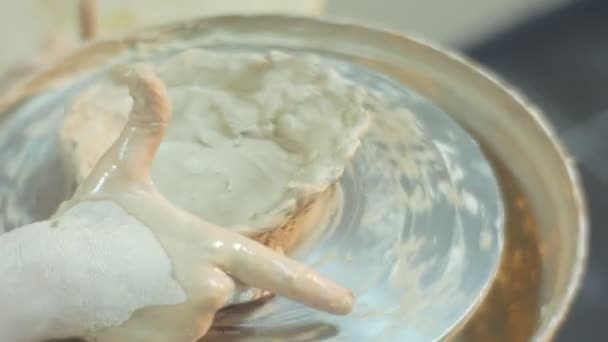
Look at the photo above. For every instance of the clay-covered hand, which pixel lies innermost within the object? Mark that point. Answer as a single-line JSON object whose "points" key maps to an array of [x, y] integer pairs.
{"points": [[118, 262]]}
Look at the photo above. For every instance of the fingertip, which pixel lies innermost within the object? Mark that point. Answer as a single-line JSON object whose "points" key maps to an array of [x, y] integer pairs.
{"points": [[151, 103], [335, 300], [126, 74], [344, 304]]}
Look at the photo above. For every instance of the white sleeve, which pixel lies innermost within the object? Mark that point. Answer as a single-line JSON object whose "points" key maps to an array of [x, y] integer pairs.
{"points": [[27, 312], [90, 269]]}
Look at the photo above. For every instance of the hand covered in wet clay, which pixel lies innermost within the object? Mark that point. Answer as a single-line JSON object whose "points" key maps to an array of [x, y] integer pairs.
{"points": [[118, 262]]}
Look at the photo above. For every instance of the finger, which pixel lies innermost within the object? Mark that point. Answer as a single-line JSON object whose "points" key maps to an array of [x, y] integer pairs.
{"points": [[151, 103], [256, 265], [133, 152]]}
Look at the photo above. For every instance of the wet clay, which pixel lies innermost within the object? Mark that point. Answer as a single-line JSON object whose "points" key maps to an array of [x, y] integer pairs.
{"points": [[180, 268], [255, 137]]}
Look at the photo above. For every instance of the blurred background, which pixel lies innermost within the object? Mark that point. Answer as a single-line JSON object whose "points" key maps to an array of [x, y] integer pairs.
{"points": [[555, 51]]}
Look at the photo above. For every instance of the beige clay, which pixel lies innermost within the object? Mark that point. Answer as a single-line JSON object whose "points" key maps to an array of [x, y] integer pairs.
{"points": [[254, 137], [118, 262]]}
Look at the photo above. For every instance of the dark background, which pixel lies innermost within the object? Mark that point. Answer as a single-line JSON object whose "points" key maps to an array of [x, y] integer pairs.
{"points": [[560, 61]]}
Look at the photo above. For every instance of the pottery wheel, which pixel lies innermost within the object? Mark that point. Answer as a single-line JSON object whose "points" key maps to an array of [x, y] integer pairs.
{"points": [[418, 236]]}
